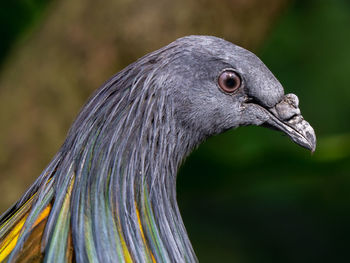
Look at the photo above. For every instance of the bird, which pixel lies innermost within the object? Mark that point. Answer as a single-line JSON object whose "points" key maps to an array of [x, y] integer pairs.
{"points": [[109, 193]]}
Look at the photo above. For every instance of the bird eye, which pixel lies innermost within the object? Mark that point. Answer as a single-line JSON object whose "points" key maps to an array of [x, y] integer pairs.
{"points": [[229, 81]]}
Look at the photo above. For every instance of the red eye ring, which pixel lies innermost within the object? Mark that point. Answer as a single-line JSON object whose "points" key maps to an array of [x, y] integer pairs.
{"points": [[229, 81]]}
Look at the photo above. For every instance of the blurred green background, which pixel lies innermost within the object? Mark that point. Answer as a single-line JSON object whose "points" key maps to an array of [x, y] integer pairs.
{"points": [[249, 195]]}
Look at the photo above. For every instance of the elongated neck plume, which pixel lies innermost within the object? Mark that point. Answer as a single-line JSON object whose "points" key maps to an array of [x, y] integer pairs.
{"points": [[114, 178], [128, 164]]}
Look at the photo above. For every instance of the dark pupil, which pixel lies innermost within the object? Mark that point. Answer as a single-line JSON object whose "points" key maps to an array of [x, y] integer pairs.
{"points": [[230, 82]]}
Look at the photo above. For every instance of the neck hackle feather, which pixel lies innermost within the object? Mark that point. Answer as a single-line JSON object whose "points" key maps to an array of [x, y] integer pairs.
{"points": [[109, 194]]}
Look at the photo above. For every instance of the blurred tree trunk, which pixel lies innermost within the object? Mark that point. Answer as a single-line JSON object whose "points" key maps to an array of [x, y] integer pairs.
{"points": [[80, 44]]}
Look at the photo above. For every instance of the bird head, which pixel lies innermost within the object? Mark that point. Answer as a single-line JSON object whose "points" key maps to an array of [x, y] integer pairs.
{"points": [[217, 86], [112, 184]]}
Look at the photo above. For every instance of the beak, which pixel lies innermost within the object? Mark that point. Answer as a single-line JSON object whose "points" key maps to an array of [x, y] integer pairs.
{"points": [[286, 117]]}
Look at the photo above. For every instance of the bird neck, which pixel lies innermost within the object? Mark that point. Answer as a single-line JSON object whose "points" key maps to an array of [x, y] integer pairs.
{"points": [[148, 218], [112, 185], [124, 192]]}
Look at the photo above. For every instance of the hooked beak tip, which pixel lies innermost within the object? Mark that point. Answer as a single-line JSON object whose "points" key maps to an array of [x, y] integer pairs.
{"points": [[311, 138], [286, 117]]}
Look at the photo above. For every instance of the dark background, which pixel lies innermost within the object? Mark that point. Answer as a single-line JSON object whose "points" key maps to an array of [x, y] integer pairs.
{"points": [[249, 195]]}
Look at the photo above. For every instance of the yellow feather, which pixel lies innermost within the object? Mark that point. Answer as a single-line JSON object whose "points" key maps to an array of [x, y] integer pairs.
{"points": [[125, 250], [9, 243], [142, 234]]}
